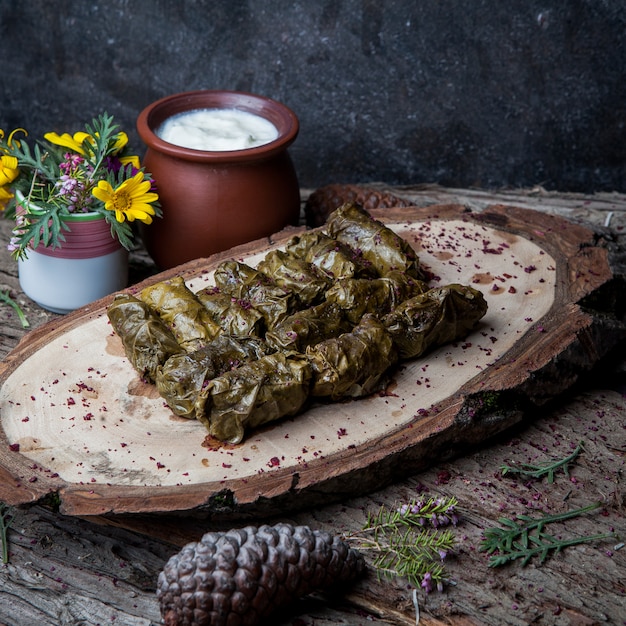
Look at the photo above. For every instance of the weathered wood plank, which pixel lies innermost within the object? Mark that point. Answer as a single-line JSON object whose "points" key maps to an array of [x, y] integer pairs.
{"points": [[108, 574], [59, 565]]}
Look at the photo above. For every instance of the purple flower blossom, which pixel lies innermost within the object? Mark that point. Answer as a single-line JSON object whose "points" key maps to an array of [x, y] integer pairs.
{"points": [[113, 164], [423, 512], [72, 188], [66, 184], [71, 163], [13, 245]]}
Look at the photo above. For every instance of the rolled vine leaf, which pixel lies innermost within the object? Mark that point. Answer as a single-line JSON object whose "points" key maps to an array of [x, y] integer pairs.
{"points": [[377, 244], [328, 338]]}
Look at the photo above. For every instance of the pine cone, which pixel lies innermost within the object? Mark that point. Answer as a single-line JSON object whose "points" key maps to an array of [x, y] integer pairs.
{"points": [[239, 577], [323, 201]]}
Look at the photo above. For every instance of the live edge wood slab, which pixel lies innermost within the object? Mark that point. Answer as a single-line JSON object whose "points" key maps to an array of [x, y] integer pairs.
{"points": [[91, 431], [96, 560]]}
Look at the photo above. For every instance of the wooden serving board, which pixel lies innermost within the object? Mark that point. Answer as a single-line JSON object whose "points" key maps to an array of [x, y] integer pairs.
{"points": [[77, 421]]}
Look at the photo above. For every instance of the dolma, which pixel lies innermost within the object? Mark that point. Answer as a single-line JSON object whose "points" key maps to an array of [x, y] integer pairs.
{"points": [[231, 275], [358, 296], [354, 364], [181, 310], [376, 243], [296, 275], [183, 379], [436, 317], [147, 341], [250, 285], [329, 256], [275, 386], [308, 327], [234, 316]]}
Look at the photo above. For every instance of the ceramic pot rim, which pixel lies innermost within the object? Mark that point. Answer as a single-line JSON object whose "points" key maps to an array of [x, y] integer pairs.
{"points": [[90, 238], [89, 216], [279, 114]]}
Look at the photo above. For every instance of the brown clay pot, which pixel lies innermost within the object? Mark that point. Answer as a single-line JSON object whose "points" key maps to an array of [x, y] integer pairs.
{"points": [[212, 201]]}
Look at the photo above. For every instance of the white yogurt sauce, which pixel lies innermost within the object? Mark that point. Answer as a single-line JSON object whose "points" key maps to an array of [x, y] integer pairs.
{"points": [[217, 130]]}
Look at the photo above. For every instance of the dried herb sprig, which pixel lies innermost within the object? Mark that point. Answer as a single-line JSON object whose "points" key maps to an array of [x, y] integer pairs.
{"points": [[6, 518], [546, 469], [529, 538], [409, 541], [6, 298]]}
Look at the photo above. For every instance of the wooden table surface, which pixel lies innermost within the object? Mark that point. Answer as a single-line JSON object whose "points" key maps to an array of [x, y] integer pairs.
{"points": [[65, 570]]}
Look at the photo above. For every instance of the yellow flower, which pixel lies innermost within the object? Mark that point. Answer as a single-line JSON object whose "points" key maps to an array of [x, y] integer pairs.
{"points": [[11, 139], [133, 160], [5, 196], [8, 169], [120, 141], [130, 201], [76, 142]]}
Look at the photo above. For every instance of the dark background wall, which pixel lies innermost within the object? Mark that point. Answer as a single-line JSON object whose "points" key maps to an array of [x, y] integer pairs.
{"points": [[484, 93]]}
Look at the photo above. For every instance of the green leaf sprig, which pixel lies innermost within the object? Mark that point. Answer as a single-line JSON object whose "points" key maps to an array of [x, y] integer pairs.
{"points": [[6, 298], [528, 539], [64, 175], [6, 518], [410, 541], [546, 469]]}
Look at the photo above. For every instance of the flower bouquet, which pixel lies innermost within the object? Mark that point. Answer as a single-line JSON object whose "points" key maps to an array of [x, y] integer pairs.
{"points": [[65, 175]]}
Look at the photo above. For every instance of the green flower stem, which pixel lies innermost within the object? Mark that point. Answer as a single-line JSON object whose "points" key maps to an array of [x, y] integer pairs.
{"points": [[402, 545], [549, 469], [6, 298], [6, 518], [529, 539], [543, 549]]}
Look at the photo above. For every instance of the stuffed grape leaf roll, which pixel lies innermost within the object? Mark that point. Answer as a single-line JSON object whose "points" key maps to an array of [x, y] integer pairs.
{"points": [[250, 285], [234, 316], [183, 379], [275, 386], [308, 327], [147, 340], [296, 275], [436, 317], [376, 243], [231, 275], [329, 256], [354, 364], [358, 296], [181, 310]]}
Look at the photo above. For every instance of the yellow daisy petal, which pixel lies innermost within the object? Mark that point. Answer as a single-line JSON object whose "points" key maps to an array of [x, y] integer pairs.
{"points": [[130, 200], [5, 196], [73, 142], [131, 160], [120, 141], [65, 141], [8, 169]]}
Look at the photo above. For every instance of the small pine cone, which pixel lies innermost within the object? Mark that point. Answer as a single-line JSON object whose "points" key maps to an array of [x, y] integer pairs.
{"points": [[323, 201], [239, 577]]}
